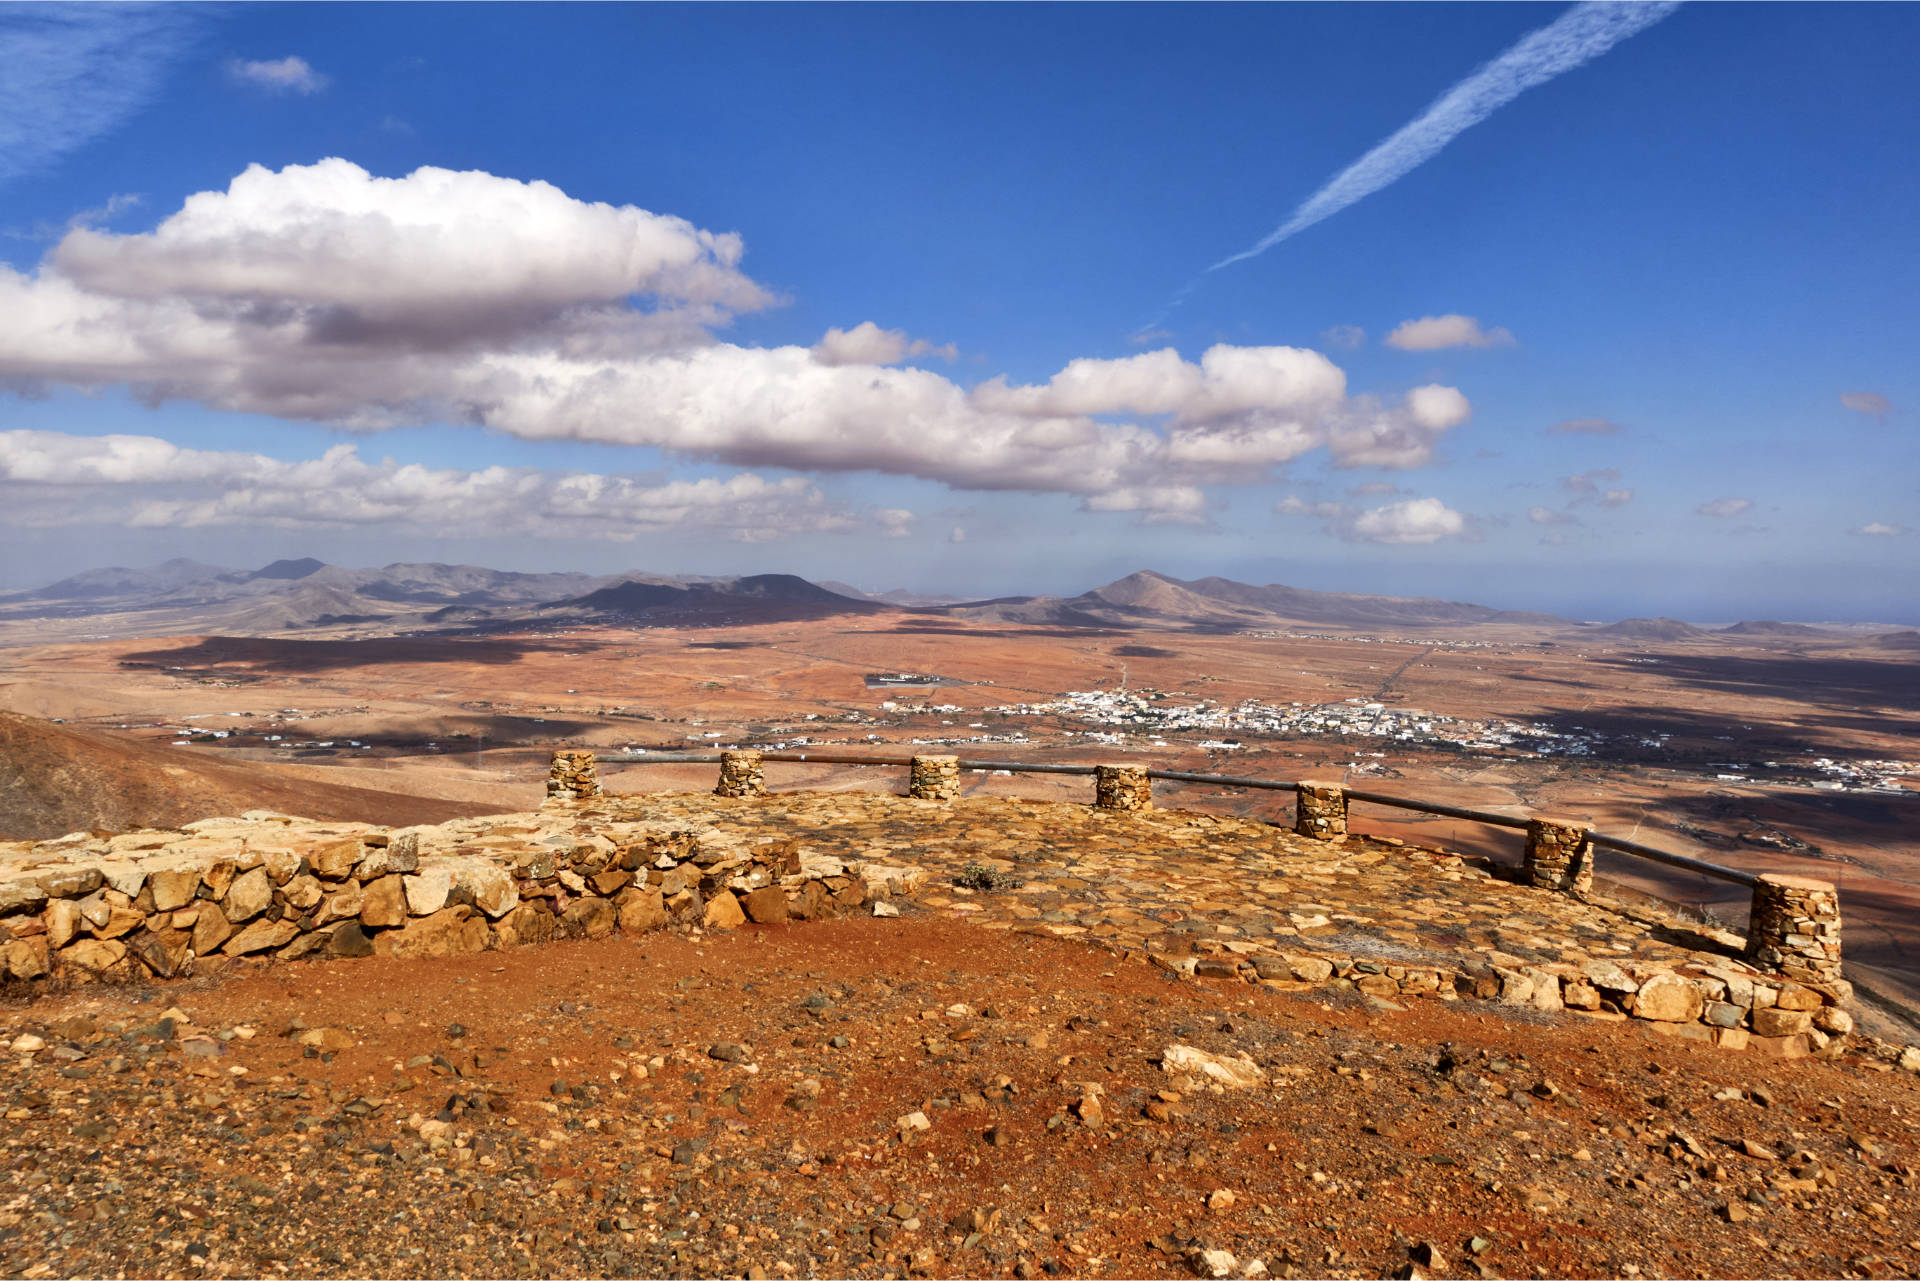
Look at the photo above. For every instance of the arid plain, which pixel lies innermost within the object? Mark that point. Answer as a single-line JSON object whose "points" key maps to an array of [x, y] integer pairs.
{"points": [[1764, 752]]}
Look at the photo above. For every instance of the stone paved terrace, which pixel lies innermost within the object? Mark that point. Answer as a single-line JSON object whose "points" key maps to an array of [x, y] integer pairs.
{"points": [[1220, 897], [1182, 883], [1225, 896]]}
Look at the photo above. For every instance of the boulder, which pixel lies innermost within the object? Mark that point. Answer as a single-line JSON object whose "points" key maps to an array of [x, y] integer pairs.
{"points": [[526, 924], [173, 888], [302, 892], [1780, 1022], [250, 894], [210, 929], [766, 905], [429, 889], [723, 912], [24, 958], [491, 887], [448, 932], [1237, 1073], [63, 922], [94, 956], [72, 882], [385, 903], [588, 918], [344, 904], [641, 910], [261, 936], [337, 861], [1668, 998]]}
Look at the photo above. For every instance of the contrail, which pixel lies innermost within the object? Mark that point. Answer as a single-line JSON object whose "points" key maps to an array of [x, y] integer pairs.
{"points": [[1578, 36]]}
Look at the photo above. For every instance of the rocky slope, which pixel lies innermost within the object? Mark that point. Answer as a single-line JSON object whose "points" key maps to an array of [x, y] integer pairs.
{"points": [[56, 779]]}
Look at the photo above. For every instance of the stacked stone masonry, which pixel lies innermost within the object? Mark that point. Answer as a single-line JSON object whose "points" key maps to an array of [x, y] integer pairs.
{"points": [[1122, 787], [572, 777], [1794, 928], [1214, 897], [933, 778], [185, 903], [741, 774], [1320, 811], [1559, 856]]}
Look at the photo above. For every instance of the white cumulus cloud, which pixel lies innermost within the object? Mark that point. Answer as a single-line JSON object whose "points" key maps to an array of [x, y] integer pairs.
{"points": [[1432, 333], [277, 75], [1881, 529], [325, 293], [894, 522], [1549, 516], [868, 344], [51, 479], [1413, 522]]}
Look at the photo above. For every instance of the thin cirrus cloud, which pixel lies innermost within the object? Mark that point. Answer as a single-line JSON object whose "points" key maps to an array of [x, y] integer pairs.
{"points": [[1724, 508], [1870, 403], [74, 72], [1578, 36], [1435, 333], [277, 75], [53, 479], [1415, 522], [1599, 487], [323, 293]]}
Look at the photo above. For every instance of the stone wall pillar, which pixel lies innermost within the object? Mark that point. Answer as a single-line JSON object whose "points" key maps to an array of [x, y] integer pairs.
{"points": [[933, 778], [1122, 787], [740, 775], [1795, 928], [1559, 856], [572, 777], [1320, 810]]}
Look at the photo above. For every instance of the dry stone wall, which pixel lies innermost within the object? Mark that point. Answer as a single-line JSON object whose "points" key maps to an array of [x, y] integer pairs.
{"points": [[188, 902]]}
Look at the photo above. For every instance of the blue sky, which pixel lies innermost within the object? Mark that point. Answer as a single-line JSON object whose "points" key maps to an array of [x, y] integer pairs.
{"points": [[278, 283]]}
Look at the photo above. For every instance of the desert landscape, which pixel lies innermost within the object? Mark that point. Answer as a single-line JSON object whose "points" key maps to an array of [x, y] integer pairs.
{"points": [[1764, 747], [934, 641]]}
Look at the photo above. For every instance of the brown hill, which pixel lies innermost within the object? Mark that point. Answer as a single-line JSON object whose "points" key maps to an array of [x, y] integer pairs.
{"points": [[1299, 603], [56, 779], [1769, 627], [1661, 629]]}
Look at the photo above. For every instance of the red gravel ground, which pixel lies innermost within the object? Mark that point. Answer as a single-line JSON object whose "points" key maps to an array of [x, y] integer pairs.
{"points": [[766, 1136]]}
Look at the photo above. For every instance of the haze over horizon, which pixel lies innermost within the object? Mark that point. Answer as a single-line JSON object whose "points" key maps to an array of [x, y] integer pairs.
{"points": [[1600, 312]]}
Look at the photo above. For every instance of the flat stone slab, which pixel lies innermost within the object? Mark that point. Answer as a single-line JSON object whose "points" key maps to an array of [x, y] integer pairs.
{"points": [[1168, 880]]}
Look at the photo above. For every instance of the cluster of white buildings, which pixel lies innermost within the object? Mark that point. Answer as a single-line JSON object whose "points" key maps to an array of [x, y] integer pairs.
{"points": [[1147, 712]]}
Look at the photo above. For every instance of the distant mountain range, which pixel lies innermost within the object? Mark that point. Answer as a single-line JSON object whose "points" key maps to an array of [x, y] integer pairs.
{"points": [[302, 596]]}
